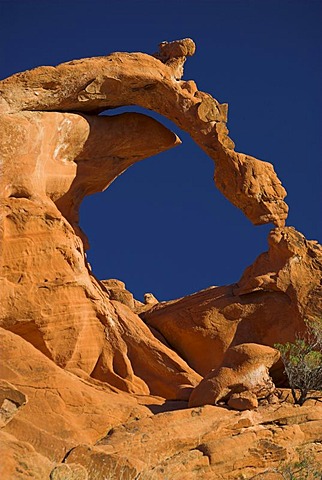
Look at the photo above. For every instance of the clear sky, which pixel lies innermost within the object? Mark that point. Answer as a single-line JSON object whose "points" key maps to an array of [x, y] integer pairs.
{"points": [[162, 226]]}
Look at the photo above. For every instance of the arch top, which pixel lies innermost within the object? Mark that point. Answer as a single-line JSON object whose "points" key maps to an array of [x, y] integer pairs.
{"points": [[91, 85]]}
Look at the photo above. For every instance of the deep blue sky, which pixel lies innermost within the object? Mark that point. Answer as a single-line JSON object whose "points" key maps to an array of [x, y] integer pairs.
{"points": [[162, 226]]}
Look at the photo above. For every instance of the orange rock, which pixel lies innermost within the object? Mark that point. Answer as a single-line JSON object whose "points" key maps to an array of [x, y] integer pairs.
{"points": [[149, 299], [95, 84], [72, 471], [83, 155], [11, 400], [243, 401], [19, 460], [48, 295], [116, 291], [245, 369], [291, 266], [87, 389], [267, 306], [206, 443], [62, 409]]}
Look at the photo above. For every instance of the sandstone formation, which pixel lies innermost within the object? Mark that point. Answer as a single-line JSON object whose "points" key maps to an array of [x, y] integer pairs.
{"points": [[116, 291], [149, 299], [96, 84], [268, 305], [209, 442], [93, 383], [245, 368]]}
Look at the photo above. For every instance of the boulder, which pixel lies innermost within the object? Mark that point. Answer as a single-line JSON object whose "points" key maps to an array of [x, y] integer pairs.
{"points": [[116, 291], [245, 369], [243, 401]]}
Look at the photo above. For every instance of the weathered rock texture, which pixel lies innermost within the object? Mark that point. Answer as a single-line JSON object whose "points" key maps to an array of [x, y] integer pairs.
{"points": [[268, 305], [93, 383], [245, 369], [96, 84]]}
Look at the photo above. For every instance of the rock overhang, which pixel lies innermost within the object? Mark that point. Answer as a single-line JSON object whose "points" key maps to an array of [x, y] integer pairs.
{"points": [[89, 86]]}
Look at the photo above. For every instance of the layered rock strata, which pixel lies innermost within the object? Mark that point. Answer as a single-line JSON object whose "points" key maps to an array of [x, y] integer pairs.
{"points": [[94, 383]]}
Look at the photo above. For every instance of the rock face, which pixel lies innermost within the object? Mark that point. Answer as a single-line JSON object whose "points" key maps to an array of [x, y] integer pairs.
{"points": [[245, 368], [93, 383], [96, 84], [268, 305]]}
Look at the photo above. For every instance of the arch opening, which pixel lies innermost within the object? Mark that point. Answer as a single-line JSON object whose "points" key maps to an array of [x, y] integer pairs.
{"points": [[163, 227]]}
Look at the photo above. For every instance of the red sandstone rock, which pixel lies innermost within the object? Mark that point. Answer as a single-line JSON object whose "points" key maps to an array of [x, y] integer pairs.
{"points": [[93, 85], [243, 401], [268, 305], [149, 299], [87, 389], [48, 295], [19, 460], [71, 471], [245, 368], [62, 409], [63, 157], [11, 400], [206, 443], [116, 291]]}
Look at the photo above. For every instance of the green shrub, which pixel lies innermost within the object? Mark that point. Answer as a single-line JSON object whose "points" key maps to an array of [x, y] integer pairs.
{"points": [[303, 362]]}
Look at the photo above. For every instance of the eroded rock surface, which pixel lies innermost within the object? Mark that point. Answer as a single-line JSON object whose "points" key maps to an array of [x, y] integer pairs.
{"points": [[206, 443], [96, 84], [244, 370], [268, 305], [88, 387], [11, 400], [19, 460]]}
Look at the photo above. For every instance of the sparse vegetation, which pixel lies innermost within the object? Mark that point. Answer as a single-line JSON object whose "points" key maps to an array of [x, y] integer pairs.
{"points": [[307, 467], [303, 362], [304, 469]]}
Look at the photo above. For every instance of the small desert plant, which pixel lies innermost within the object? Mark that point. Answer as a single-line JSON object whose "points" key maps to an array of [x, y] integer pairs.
{"points": [[306, 468], [303, 362]]}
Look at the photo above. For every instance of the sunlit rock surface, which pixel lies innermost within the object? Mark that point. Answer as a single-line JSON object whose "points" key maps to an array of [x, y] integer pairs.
{"points": [[245, 368], [266, 306], [95, 84], [93, 383]]}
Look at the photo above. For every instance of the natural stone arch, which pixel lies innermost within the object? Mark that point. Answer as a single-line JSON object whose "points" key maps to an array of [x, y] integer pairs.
{"points": [[71, 345], [56, 150], [153, 82]]}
